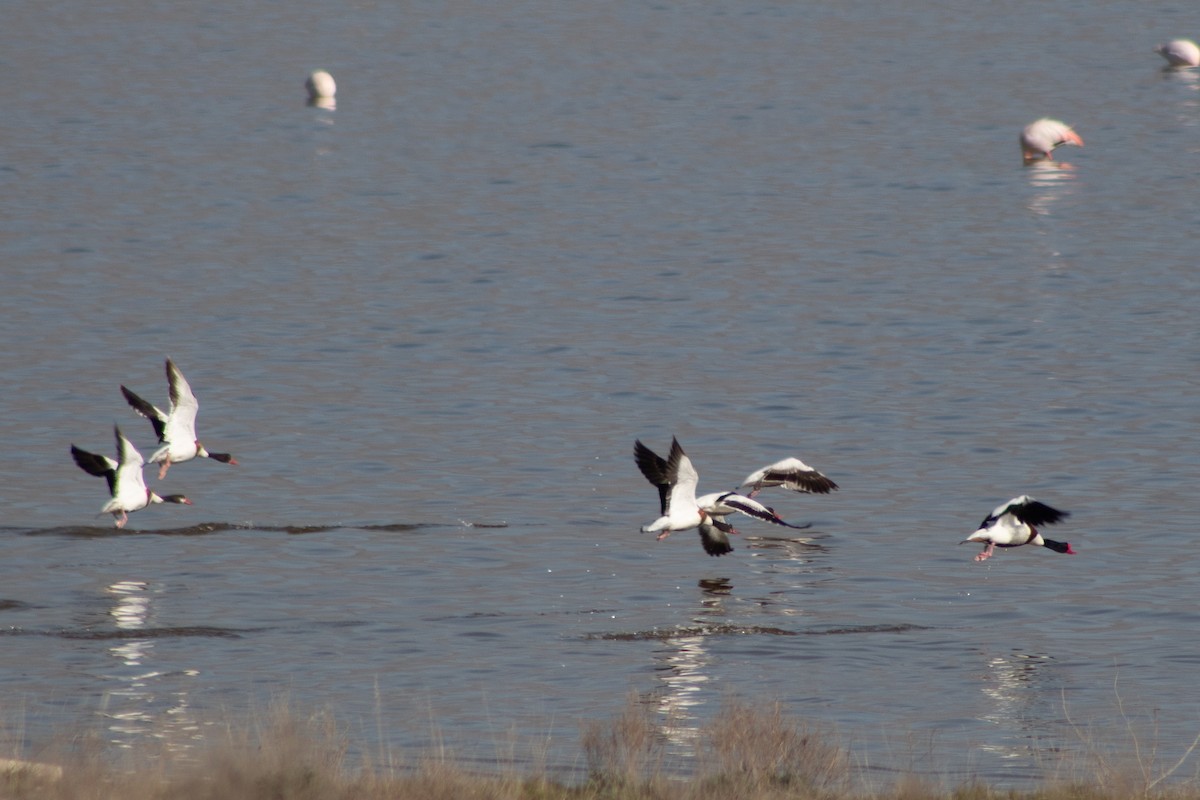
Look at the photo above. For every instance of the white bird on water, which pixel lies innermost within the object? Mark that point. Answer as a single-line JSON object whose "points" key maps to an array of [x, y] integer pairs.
{"points": [[322, 89], [1012, 525], [1039, 139], [1180, 53]]}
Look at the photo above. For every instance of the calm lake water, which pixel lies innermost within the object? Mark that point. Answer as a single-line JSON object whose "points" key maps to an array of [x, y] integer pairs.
{"points": [[431, 323]]}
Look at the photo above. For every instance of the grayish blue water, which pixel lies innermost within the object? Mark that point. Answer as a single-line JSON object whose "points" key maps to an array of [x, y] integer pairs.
{"points": [[431, 323]]}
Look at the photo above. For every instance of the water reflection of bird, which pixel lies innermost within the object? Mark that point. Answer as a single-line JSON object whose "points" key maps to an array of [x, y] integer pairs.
{"points": [[1052, 180], [126, 707], [684, 672], [1012, 525], [789, 554], [176, 430], [1180, 53], [130, 613], [715, 507], [714, 589], [136, 708], [125, 482], [1017, 684], [1039, 139]]}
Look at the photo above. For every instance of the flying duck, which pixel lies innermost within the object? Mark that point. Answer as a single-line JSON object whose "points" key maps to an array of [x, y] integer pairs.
{"points": [[717, 505], [790, 473], [676, 480], [124, 476], [1012, 525], [176, 430]]}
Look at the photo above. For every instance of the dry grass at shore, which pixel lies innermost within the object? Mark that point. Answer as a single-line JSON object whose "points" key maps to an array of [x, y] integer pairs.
{"points": [[749, 752]]}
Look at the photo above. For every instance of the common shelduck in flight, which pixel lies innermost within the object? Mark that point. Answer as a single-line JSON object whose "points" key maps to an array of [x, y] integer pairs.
{"points": [[790, 473], [1180, 53], [1039, 139], [1012, 525], [717, 505], [176, 430], [676, 483], [125, 483]]}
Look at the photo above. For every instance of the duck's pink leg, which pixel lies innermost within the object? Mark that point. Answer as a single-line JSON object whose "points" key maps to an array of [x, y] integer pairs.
{"points": [[663, 535], [162, 471], [987, 552]]}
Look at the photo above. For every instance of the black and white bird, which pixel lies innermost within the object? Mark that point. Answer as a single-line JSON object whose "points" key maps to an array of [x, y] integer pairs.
{"points": [[1014, 524], [176, 430], [125, 483], [676, 480], [715, 506], [790, 473]]}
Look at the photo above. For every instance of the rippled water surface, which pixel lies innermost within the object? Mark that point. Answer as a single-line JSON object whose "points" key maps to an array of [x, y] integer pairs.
{"points": [[430, 324]]}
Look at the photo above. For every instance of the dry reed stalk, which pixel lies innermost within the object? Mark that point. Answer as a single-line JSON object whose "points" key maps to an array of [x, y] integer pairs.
{"points": [[1138, 771], [627, 751], [748, 752], [757, 748]]}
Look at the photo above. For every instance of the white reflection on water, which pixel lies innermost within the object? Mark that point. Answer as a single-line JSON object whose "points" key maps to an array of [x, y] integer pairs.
{"points": [[130, 612], [1186, 108], [683, 675], [1053, 180], [135, 707], [787, 554], [1017, 687], [1186, 76], [684, 672]]}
